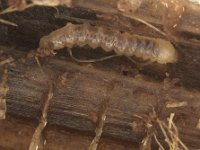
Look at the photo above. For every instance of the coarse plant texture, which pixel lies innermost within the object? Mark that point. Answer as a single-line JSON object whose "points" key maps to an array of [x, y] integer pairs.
{"points": [[168, 130]]}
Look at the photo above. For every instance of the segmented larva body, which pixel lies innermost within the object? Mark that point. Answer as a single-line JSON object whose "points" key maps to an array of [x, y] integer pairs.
{"points": [[152, 49]]}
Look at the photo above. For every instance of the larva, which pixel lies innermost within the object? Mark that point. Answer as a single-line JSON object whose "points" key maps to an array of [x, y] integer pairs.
{"points": [[153, 49]]}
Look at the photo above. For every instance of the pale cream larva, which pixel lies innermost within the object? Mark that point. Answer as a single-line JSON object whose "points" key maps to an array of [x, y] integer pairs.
{"points": [[153, 49]]}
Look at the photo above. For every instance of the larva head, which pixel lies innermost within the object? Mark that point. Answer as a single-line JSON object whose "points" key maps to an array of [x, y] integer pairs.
{"points": [[50, 43], [167, 52], [51, 2], [45, 43], [128, 6]]}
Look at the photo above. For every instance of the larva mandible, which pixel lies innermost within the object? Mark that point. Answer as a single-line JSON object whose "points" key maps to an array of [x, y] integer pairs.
{"points": [[153, 49]]}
